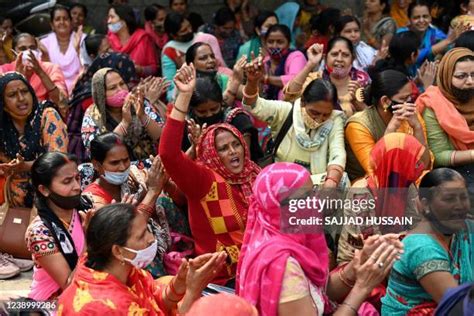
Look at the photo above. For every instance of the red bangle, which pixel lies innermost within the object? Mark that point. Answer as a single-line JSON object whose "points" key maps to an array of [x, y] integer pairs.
{"points": [[332, 179], [168, 296], [147, 209], [344, 280], [174, 291]]}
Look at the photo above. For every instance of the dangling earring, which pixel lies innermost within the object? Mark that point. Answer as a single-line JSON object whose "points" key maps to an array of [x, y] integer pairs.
{"points": [[385, 108], [427, 211]]}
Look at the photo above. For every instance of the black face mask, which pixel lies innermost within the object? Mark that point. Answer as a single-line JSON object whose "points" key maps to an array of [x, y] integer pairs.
{"points": [[463, 95], [66, 202], [211, 120], [438, 225], [159, 27], [186, 37], [203, 74]]}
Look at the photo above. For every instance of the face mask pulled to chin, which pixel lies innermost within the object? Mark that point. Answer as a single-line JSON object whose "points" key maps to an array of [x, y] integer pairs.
{"points": [[66, 202], [186, 37], [337, 72]]}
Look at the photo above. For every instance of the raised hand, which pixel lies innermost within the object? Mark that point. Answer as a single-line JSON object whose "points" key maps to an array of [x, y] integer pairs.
{"points": [[195, 131], [427, 73], [78, 38], [315, 54], [138, 103], [155, 88], [126, 110], [156, 176], [458, 30], [382, 52], [33, 62], [255, 70], [238, 70], [185, 79], [20, 67], [352, 88]]}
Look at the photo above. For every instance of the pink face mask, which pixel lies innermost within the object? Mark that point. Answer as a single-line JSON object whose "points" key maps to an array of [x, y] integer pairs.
{"points": [[117, 100]]}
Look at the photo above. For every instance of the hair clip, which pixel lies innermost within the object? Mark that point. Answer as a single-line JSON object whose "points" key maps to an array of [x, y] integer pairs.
{"points": [[359, 95]]}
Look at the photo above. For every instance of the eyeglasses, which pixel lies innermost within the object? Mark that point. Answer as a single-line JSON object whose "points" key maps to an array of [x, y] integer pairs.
{"points": [[464, 75]]}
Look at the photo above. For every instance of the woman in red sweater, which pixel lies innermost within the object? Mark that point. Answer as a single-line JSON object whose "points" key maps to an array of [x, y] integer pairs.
{"points": [[125, 37], [217, 185]]}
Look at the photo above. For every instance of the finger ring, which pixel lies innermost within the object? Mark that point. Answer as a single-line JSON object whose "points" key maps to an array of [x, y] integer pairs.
{"points": [[380, 265], [373, 258]]}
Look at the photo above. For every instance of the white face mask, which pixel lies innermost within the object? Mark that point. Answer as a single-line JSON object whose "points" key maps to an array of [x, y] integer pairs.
{"points": [[143, 257], [26, 56], [117, 178]]}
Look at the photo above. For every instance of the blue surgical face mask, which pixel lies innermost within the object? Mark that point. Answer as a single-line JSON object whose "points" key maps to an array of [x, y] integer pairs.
{"points": [[115, 27], [116, 178]]}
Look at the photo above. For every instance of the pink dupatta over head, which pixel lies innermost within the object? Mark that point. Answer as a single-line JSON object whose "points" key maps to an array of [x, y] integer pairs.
{"points": [[266, 249]]}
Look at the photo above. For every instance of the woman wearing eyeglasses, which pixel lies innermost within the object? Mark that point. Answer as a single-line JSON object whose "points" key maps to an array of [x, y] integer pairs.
{"points": [[448, 111], [391, 110]]}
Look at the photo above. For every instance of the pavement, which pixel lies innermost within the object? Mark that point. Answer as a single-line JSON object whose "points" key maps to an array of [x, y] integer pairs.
{"points": [[18, 286]]}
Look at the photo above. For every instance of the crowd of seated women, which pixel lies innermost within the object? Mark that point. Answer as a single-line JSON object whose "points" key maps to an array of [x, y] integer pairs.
{"points": [[156, 161]]}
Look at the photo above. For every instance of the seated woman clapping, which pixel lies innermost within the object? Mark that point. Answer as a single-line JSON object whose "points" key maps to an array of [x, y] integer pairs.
{"points": [[217, 185], [111, 280], [126, 113], [119, 180]]}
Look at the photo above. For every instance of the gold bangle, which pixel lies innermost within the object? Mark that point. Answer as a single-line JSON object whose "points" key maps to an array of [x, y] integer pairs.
{"points": [[299, 92], [351, 307]]}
